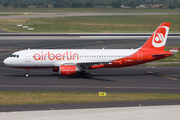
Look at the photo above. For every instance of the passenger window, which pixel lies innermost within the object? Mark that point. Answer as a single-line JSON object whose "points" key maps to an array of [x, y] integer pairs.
{"points": [[17, 56]]}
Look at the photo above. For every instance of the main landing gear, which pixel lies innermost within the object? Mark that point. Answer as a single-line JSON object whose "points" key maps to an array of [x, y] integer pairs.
{"points": [[86, 74]]}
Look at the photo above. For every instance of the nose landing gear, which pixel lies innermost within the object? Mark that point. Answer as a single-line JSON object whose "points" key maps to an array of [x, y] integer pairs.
{"points": [[27, 74]]}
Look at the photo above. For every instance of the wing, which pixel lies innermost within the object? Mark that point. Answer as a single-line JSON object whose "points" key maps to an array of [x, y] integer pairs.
{"points": [[82, 64]]}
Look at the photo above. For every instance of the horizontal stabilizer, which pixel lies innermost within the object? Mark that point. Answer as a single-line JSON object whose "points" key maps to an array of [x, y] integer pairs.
{"points": [[162, 54]]}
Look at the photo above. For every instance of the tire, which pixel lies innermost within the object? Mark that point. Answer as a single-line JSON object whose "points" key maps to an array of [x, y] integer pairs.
{"points": [[88, 75], [26, 75]]}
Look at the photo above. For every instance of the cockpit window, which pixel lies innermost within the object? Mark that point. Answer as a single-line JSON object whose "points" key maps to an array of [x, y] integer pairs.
{"points": [[15, 56]]}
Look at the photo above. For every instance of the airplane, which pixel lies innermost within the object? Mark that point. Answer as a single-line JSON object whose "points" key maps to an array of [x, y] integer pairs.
{"points": [[71, 61]]}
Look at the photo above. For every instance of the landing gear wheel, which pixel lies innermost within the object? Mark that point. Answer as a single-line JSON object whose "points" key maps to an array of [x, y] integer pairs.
{"points": [[88, 75], [26, 75]]}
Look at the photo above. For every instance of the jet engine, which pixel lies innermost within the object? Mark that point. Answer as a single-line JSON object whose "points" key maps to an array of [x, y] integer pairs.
{"points": [[66, 70]]}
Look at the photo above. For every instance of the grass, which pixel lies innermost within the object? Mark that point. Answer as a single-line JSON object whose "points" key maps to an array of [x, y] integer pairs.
{"points": [[156, 64], [93, 24], [26, 14], [89, 10], [19, 98], [10, 14]]}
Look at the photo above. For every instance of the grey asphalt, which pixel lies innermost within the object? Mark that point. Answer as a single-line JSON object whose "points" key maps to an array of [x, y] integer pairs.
{"points": [[11, 108], [143, 79], [82, 34], [40, 15]]}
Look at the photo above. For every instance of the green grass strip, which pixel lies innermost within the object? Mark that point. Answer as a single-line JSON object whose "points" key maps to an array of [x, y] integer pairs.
{"points": [[93, 24], [20, 98]]}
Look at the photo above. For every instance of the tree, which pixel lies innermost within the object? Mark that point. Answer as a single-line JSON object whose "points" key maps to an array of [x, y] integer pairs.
{"points": [[172, 6], [46, 6], [89, 5], [57, 5], [15, 5], [6, 3], [73, 5], [132, 4], [116, 4], [76, 5], [65, 4], [24, 5]]}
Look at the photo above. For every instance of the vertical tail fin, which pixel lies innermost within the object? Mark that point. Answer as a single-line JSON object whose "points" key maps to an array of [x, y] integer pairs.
{"points": [[158, 38]]}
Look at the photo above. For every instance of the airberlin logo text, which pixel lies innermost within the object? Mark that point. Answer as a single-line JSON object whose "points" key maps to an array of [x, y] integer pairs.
{"points": [[57, 56]]}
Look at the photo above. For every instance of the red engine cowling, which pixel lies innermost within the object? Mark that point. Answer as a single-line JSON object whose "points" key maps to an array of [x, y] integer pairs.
{"points": [[66, 70]]}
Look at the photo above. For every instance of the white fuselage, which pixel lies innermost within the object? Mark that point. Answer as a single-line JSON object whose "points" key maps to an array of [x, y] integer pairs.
{"points": [[56, 57]]}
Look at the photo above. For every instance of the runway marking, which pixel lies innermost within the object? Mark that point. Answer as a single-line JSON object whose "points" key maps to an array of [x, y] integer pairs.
{"points": [[9, 49], [110, 87], [6, 53], [162, 75]]}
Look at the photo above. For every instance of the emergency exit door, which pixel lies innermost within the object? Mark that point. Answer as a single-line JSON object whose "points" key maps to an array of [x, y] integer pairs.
{"points": [[140, 55]]}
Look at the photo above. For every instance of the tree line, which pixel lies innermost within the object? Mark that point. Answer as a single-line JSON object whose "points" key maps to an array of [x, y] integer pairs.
{"points": [[85, 3]]}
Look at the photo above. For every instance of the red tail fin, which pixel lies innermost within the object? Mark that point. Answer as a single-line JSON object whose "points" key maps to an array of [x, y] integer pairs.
{"points": [[158, 38]]}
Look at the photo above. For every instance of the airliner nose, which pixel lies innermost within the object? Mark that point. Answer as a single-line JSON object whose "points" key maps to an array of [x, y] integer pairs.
{"points": [[6, 61]]}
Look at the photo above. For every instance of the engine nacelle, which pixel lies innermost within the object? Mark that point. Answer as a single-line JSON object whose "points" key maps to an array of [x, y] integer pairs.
{"points": [[55, 69], [66, 70]]}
